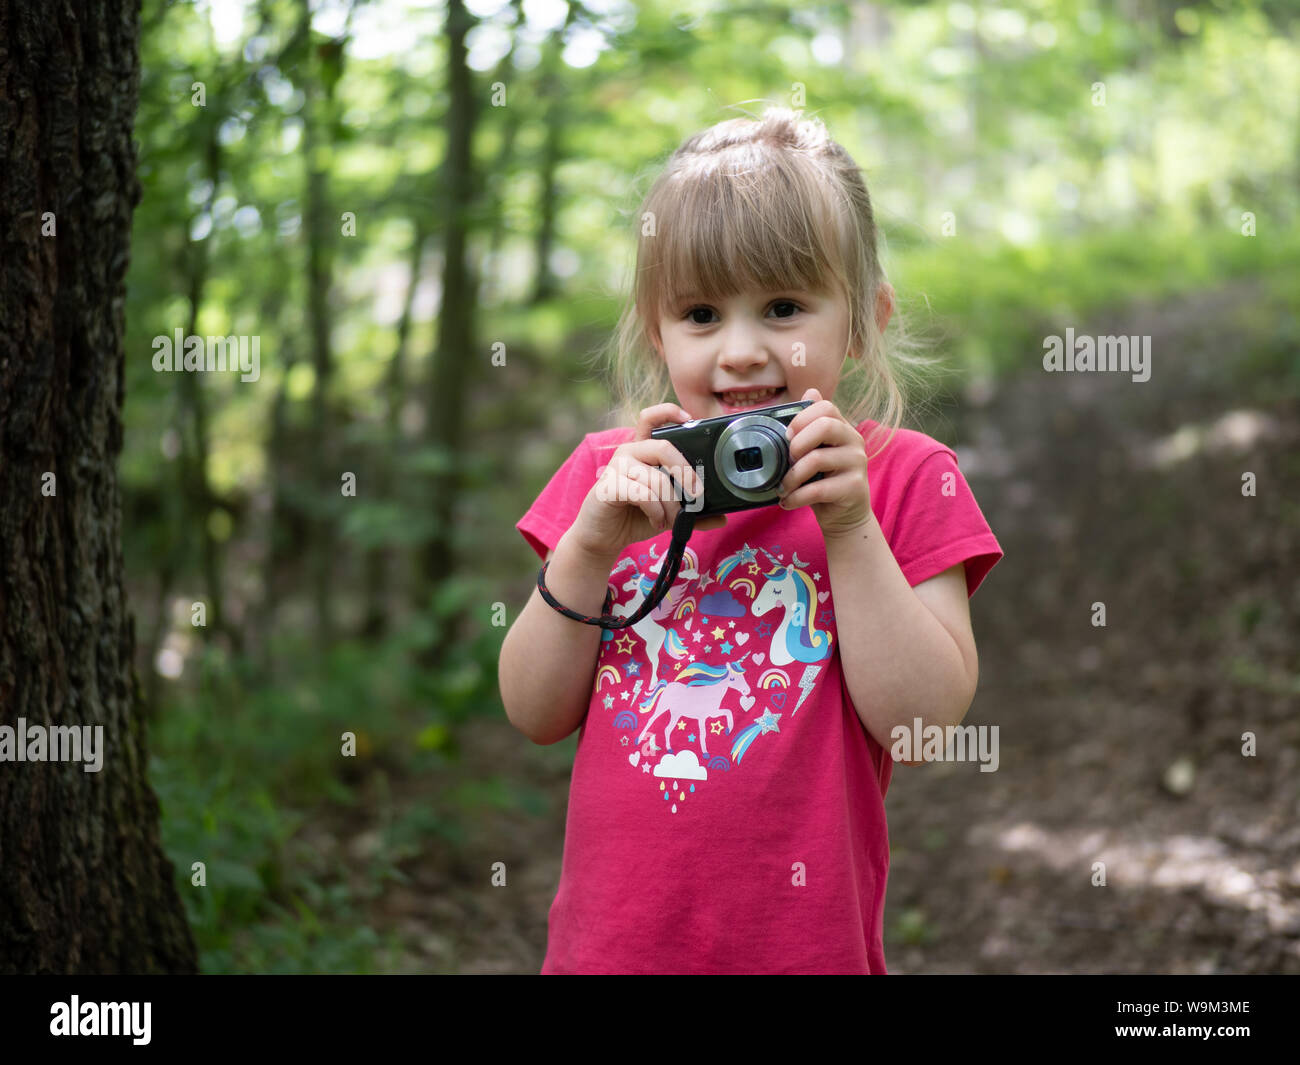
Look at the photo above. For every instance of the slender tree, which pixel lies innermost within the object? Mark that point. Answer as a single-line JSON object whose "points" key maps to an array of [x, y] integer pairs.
{"points": [[453, 361], [84, 884]]}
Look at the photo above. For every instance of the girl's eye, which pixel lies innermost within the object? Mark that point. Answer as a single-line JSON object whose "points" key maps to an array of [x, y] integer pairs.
{"points": [[794, 309]]}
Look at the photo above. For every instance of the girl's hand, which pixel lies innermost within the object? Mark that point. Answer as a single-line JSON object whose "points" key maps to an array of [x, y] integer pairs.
{"points": [[634, 499], [822, 440]]}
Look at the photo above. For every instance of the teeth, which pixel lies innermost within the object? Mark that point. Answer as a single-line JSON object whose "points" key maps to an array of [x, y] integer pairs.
{"points": [[737, 398]]}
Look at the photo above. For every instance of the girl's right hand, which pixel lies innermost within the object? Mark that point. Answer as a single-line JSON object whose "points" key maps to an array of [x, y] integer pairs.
{"points": [[634, 499]]}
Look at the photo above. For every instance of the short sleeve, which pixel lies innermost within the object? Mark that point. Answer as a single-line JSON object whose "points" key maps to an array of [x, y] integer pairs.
{"points": [[939, 524], [555, 509]]}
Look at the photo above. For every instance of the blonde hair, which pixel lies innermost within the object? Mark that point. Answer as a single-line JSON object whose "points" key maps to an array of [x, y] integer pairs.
{"points": [[770, 203]]}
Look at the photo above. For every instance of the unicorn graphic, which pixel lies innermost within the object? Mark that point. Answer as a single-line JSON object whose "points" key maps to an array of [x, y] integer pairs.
{"points": [[797, 638], [650, 628], [696, 694]]}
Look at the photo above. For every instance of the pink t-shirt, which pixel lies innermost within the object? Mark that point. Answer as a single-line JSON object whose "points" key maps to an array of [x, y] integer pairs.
{"points": [[726, 810]]}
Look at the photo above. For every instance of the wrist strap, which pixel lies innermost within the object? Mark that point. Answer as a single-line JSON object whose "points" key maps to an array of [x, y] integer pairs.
{"points": [[682, 528]]}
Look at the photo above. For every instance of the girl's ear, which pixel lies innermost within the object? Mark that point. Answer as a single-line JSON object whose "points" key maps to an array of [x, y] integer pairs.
{"points": [[884, 305]]}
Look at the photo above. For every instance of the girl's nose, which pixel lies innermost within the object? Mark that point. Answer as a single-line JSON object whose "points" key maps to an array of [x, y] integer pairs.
{"points": [[742, 349]]}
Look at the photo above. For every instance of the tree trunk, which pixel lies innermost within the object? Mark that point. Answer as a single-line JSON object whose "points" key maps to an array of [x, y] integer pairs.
{"points": [[552, 151], [318, 126], [375, 624], [456, 351], [84, 884]]}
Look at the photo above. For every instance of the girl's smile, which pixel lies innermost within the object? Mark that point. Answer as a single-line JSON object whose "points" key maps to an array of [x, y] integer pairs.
{"points": [[735, 400]]}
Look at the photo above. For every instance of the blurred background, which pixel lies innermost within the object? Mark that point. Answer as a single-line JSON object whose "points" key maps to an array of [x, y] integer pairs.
{"points": [[426, 214]]}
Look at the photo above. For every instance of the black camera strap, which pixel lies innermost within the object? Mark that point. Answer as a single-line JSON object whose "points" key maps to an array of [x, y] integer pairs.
{"points": [[682, 529]]}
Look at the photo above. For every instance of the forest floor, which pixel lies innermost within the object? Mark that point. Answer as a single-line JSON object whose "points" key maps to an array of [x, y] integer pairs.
{"points": [[1120, 744]]}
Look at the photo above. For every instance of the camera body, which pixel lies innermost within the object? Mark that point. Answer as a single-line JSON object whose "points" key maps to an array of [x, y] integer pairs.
{"points": [[741, 458]]}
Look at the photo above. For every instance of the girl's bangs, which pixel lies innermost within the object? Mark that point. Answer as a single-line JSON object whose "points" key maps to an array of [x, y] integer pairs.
{"points": [[727, 236]]}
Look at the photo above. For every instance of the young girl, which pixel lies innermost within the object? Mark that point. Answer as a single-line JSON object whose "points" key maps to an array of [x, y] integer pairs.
{"points": [[726, 811]]}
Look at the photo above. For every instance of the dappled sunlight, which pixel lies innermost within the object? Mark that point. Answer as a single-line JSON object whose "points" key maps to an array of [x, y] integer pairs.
{"points": [[1235, 431], [1173, 863]]}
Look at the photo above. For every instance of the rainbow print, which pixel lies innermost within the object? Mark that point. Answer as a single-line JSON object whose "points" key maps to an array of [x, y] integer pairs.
{"points": [[746, 583]]}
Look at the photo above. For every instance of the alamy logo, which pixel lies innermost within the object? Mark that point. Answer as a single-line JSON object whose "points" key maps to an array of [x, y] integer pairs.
{"points": [[1071, 353], [102, 1018], [233, 353], [57, 743], [950, 743]]}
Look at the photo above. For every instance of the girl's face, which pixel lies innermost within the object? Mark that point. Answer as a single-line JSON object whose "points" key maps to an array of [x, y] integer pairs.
{"points": [[754, 350]]}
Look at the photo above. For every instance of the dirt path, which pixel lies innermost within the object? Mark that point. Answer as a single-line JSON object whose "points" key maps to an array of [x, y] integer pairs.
{"points": [[1120, 745]]}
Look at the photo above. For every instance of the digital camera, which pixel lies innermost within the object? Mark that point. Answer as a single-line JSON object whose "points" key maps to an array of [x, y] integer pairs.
{"points": [[741, 458]]}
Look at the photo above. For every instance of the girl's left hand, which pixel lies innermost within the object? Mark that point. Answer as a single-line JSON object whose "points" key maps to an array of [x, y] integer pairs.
{"points": [[822, 440]]}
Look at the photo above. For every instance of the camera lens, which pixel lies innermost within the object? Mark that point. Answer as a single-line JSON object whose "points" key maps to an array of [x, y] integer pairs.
{"points": [[751, 457]]}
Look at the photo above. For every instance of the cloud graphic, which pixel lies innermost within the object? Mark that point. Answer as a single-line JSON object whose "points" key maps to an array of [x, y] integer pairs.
{"points": [[723, 604], [683, 766]]}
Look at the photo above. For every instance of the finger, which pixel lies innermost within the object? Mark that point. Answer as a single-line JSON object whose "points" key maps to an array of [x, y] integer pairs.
{"points": [[661, 486], [714, 521], [824, 430], [826, 460], [663, 453], [659, 414], [653, 493], [654, 512], [819, 409], [829, 488]]}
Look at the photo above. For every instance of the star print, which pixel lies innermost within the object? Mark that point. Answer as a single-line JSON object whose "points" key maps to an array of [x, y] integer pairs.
{"points": [[826, 616], [764, 629], [708, 647], [775, 549], [609, 701], [623, 741], [716, 727], [726, 647], [768, 722], [691, 737], [817, 576], [753, 567], [697, 635], [747, 554], [681, 725], [633, 668], [645, 767], [692, 658], [626, 694], [708, 579], [619, 644], [718, 633], [731, 624]]}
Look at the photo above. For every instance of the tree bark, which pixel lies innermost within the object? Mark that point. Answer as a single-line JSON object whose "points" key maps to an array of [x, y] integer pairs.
{"points": [[456, 351], [552, 151], [84, 884]]}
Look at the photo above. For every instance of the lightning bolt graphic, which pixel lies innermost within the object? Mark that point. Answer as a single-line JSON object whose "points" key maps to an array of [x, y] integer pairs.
{"points": [[806, 683]]}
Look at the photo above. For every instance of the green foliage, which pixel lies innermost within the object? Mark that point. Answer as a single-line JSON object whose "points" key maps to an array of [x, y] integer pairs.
{"points": [[242, 765]]}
